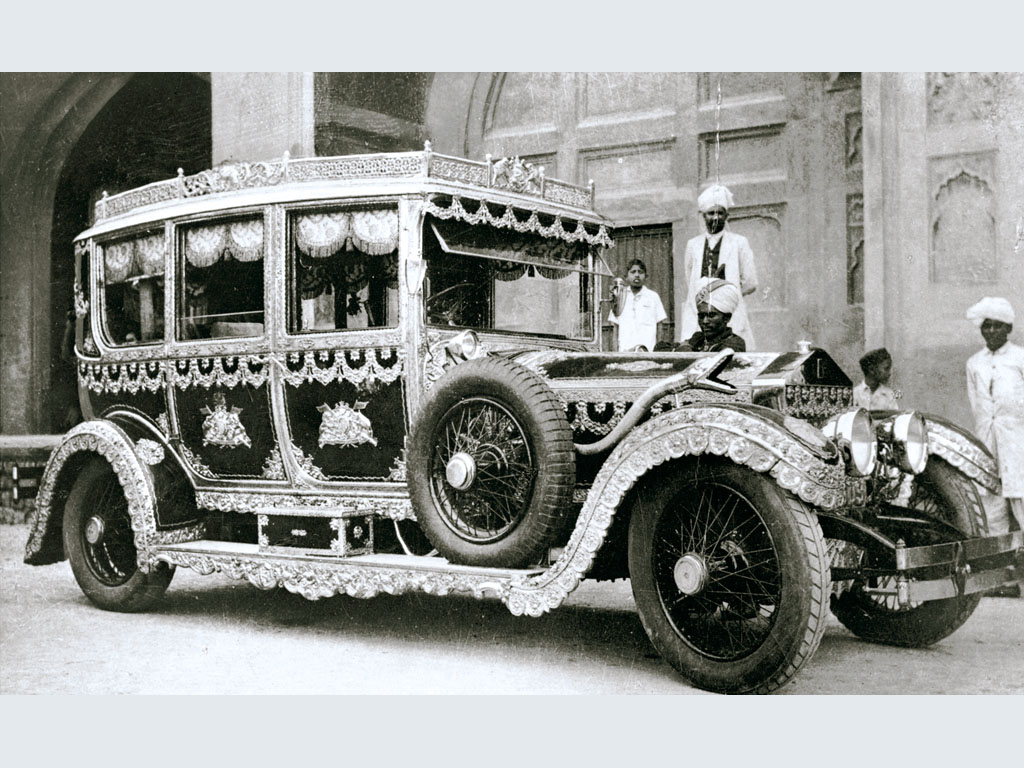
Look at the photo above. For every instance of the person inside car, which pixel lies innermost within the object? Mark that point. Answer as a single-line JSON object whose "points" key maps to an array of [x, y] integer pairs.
{"points": [[715, 302]]}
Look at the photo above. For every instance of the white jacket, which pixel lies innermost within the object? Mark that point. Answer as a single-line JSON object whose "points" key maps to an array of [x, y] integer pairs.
{"points": [[738, 259]]}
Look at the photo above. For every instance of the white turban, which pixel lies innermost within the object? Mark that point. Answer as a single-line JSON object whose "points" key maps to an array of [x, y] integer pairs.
{"points": [[721, 295], [991, 308], [715, 196]]}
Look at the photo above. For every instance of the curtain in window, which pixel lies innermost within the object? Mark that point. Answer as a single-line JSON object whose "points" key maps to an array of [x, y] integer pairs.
{"points": [[138, 257], [323, 234], [239, 240]]}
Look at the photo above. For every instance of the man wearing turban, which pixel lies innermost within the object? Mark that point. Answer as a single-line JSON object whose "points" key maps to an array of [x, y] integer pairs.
{"points": [[718, 253], [995, 386], [715, 303]]}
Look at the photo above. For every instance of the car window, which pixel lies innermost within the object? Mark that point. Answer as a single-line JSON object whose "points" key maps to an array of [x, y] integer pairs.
{"points": [[342, 269], [221, 291], [133, 288], [482, 278]]}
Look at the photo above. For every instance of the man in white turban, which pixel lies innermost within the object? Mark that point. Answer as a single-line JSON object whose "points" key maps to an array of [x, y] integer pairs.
{"points": [[995, 386], [718, 253], [715, 304]]}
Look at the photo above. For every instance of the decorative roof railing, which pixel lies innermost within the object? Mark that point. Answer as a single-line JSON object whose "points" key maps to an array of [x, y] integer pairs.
{"points": [[506, 174]]}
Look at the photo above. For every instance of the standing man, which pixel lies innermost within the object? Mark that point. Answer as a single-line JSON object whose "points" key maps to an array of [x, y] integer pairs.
{"points": [[718, 253], [995, 386], [636, 310]]}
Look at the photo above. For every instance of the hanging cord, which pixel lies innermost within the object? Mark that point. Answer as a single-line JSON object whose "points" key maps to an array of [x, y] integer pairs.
{"points": [[718, 128]]}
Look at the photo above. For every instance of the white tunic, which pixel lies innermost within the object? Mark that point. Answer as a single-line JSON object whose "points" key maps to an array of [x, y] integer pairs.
{"points": [[638, 323], [883, 398], [738, 259], [995, 386]]}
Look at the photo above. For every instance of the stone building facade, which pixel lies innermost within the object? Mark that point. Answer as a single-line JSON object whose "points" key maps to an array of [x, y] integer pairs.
{"points": [[879, 205]]}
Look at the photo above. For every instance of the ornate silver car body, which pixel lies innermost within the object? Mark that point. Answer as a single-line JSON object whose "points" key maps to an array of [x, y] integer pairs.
{"points": [[270, 437]]}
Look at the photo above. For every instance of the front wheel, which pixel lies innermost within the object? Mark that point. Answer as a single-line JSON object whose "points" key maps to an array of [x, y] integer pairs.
{"points": [[100, 544], [729, 574], [945, 494]]}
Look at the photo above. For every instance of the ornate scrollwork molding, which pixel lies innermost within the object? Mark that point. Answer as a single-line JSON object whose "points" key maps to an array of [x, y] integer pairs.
{"points": [[314, 580], [149, 451], [356, 366], [230, 372], [106, 440], [508, 220], [231, 176], [343, 506], [963, 454], [195, 463], [194, 532], [122, 377], [743, 438]]}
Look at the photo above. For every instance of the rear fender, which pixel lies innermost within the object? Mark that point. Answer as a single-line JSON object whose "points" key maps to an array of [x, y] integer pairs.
{"points": [[131, 462]]}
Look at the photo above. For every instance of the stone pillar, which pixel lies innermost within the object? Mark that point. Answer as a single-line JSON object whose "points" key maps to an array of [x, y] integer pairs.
{"points": [[260, 115]]}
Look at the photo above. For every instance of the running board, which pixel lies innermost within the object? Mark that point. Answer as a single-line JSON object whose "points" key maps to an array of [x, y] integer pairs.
{"points": [[317, 575]]}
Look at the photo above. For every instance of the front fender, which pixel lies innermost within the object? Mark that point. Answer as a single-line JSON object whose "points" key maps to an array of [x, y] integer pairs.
{"points": [[963, 451], [745, 437]]}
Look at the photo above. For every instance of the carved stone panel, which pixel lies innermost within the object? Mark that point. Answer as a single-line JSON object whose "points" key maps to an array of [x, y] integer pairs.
{"points": [[963, 218], [748, 155], [763, 227], [611, 92], [958, 97], [855, 249], [854, 139], [736, 84], [524, 99]]}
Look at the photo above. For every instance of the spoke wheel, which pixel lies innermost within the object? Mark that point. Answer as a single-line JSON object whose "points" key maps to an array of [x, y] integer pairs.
{"points": [[492, 466], [944, 494], [729, 575], [717, 572], [100, 544], [492, 444]]}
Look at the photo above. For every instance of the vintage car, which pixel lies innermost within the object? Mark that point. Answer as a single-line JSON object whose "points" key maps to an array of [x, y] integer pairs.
{"points": [[365, 374]]}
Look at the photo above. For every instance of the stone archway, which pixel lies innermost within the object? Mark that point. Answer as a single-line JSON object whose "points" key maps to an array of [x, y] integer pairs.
{"points": [[48, 179]]}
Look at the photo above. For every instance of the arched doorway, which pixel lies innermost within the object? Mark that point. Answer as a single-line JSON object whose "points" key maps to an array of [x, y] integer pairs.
{"points": [[155, 124], [86, 133]]}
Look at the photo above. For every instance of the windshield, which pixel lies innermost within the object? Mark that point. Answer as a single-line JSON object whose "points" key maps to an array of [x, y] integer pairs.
{"points": [[499, 280]]}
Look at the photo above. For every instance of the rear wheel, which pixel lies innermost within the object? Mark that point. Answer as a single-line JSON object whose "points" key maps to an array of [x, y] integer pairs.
{"points": [[100, 544], [729, 575], [943, 493]]}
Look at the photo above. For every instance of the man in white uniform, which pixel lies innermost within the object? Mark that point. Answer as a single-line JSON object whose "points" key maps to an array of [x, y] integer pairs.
{"points": [[636, 310], [718, 253], [995, 386]]}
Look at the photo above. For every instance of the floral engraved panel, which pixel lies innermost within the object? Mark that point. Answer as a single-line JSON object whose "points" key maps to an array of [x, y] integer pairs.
{"points": [[854, 141], [963, 219], [855, 249], [958, 97]]}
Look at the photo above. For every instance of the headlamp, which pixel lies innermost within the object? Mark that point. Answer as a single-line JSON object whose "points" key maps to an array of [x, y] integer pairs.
{"points": [[855, 432]]}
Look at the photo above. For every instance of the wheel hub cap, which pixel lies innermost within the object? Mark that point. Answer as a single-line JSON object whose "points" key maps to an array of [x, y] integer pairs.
{"points": [[460, 471], [94, 530], [690, 573]]}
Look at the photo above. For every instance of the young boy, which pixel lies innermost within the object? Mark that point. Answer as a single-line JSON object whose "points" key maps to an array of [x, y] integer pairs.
{"points": [[874, 393], [636, 310]]}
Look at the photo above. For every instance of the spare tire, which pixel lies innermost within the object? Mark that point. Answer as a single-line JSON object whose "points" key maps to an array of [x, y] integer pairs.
{"points": [[491, 465]]}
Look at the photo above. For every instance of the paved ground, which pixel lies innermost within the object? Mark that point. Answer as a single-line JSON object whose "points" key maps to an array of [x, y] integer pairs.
{"points": [[216, 635]]}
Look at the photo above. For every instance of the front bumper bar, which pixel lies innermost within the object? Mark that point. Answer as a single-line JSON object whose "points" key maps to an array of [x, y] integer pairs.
{"points": [[923, 573]]}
